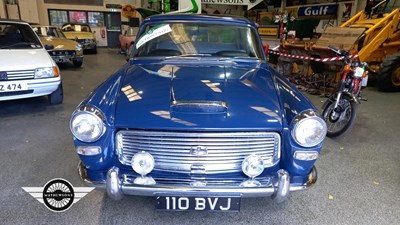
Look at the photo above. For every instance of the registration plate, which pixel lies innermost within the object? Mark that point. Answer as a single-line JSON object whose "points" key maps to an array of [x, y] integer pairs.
{"points": [[60, 59], [175, 203], [6, 86]]}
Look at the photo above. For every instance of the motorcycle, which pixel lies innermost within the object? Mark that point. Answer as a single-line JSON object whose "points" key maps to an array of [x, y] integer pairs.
{"points": [[340, 109]]}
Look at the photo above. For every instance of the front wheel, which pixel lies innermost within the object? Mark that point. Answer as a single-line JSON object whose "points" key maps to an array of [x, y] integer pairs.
{"points": [[77, 63], [57, 96], [94, 50], [341, 119], [389, 74]]}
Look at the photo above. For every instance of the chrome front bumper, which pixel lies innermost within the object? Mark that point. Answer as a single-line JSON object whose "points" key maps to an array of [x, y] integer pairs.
{"points": [[278, 189]]}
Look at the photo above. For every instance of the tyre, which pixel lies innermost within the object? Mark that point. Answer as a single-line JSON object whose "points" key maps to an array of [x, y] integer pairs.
{"points": [[389, 74], [94, 50], [341, 119], [57, 96], [77, 63]]}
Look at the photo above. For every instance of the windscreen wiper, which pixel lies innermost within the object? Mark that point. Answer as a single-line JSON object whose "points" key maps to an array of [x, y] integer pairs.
{"points": [[19, 43], [189, 55]]}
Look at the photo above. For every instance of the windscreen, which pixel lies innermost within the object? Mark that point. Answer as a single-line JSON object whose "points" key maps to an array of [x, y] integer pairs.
{"points": [[76, 27], [175, 39], [18, 36], [48, 32]]}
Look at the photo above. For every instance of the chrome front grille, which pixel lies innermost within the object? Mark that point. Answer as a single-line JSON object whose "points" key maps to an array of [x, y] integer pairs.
{"points": [[20, 74], [213, 152], [61, 53]]}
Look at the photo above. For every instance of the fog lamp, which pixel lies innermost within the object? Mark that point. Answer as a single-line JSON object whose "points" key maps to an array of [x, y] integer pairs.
{"points": [[305, 155], [88, 150], [142, 163], [252, 166]]}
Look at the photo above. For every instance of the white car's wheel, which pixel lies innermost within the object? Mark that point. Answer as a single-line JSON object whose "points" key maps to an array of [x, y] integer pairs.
{"points": [[57, 96]]}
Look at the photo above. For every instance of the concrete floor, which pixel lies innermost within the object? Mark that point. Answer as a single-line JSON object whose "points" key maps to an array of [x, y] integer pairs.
{"points": [[359, 179]]}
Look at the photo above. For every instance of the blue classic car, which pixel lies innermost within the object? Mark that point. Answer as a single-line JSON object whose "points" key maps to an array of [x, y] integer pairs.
{"points": [[197, 119]]}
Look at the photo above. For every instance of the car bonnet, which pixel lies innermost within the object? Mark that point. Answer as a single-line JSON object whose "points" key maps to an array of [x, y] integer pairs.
{"points": [[172, 96]]}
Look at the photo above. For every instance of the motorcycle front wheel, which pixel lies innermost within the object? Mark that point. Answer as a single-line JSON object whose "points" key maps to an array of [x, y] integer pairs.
{"points": [[341, 119]]}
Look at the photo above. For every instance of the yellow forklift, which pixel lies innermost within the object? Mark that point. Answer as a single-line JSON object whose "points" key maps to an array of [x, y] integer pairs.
{"points": [[373, 34], [379, 44]]}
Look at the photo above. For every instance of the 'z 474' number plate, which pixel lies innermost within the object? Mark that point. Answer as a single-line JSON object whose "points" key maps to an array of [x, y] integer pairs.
{"points": [[171, 203], [13, 86]]}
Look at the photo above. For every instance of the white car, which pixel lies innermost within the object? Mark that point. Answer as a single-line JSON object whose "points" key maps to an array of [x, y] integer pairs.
{"points": [[26, 69]]}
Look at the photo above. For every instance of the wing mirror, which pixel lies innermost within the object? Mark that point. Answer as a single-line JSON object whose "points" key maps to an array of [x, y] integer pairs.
{"points": [[48, 47], [130, 51]]}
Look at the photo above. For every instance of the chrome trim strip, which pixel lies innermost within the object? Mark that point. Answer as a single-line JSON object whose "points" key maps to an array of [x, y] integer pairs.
{"points": [[20, 74]]}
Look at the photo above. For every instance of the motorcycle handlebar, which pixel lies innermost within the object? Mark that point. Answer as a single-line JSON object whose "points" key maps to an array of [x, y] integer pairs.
{"points": [[369, 68]]}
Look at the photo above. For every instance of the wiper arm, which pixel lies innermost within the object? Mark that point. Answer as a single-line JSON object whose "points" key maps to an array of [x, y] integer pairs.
{"points": [[188, 55], [245, 57], [19, 43], [237, 57]]}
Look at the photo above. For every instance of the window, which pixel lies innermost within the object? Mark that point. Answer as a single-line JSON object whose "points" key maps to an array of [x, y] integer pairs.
{"points": [[76, 27], [77, 17], [212, 40], [58, 17], [17, 36], [96, 18]]}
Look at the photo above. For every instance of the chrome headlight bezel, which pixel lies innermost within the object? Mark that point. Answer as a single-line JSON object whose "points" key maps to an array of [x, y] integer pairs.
{"points": [[96, 115], [78, 47], [303, 119], [44, 72]]}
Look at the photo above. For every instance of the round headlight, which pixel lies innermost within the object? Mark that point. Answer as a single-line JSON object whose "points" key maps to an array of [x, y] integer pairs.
{"points": [[87, 127], [142, 163], [78, 47], [253, 166], [309, 131]]}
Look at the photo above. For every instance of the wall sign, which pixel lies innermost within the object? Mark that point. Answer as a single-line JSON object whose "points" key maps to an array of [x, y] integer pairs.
{"points": [[75, 2], [113, 6], [128, 11], [268, 31], [250, 3], [318, 11]]}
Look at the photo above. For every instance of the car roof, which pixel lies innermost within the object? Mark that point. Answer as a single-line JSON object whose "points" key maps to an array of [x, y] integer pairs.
{"points": [[200, 17], [13, 21]]}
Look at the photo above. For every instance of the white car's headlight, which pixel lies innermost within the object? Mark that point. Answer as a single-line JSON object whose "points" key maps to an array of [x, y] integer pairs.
{"points": [[87, 124], [308, 129], [46, 72]]}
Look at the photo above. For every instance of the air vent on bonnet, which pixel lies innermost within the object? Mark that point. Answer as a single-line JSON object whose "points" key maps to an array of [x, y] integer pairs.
{"points": [[199, 107]]}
